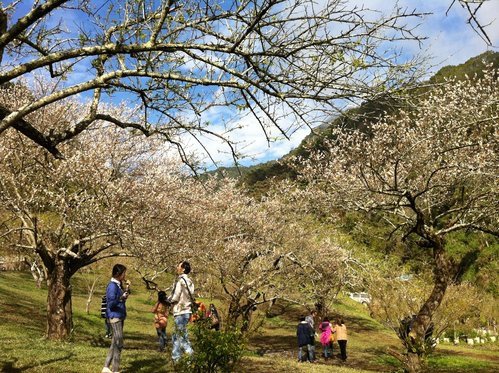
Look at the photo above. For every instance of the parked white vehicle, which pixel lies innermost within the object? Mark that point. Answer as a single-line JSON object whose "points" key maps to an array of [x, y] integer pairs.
{"points": [[363, 298]]}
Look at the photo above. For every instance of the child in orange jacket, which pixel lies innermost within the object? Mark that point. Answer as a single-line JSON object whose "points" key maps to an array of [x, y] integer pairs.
{"points": [[160, 311]]}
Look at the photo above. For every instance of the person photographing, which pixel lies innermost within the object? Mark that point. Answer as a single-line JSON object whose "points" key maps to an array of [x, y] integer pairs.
{"points": [[181, 299]]}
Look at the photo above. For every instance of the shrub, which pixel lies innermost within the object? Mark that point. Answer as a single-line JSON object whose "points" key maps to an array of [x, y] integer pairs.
{"points": [[214, 351]]}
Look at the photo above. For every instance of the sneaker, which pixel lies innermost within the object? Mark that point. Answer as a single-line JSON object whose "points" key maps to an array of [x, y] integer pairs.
{"points": [[106, 370]]}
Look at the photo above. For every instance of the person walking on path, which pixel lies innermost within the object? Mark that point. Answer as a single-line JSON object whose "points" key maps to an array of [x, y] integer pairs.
{"points": [[305, 335], [116, 313], [181, 299], [341, 336], [326, 333], [160, 311]]}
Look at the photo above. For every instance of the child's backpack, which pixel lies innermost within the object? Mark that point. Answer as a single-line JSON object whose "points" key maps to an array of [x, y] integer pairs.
{"points": [[103, 307], [214, 317]]}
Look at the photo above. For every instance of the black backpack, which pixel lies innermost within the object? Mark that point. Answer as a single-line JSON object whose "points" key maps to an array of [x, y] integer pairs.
{"points": [[103, 307], [214, 317]]}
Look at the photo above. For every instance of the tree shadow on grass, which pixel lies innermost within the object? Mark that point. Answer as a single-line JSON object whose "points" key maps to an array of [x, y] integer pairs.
{"points": [[99, 341], [21, 312], [135, 341], [263, 344], [8, 366], [287, 310], [154, 365], [258, 366], [357, 324], [140, 341]]}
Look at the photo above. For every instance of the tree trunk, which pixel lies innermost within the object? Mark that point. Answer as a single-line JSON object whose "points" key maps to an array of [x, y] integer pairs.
{"points": [[414, 363], [247, 312], [233, 313], [90, 295], [418, 342], [238, 311], [59, 308]]}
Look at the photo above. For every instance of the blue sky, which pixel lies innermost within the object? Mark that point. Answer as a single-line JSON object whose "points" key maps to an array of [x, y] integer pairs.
{"points": [[450, 41]]}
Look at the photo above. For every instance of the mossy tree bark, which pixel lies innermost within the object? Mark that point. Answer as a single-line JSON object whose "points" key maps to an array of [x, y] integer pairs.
{"points": [[59, 306], [417, 342]]}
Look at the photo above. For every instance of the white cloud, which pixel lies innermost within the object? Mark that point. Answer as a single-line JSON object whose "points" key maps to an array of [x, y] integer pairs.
{"points": [[248, 136], [450, 41]]}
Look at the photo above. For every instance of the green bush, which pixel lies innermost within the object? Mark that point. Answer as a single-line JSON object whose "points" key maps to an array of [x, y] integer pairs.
{"points": [[214, 351]]}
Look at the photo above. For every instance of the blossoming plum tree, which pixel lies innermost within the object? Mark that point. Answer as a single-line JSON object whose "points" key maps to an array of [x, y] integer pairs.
{"points": [[429, 171]]}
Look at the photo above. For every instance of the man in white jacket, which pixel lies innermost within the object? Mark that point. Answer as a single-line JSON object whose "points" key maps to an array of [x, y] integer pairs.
{"points": [[181, 299]]}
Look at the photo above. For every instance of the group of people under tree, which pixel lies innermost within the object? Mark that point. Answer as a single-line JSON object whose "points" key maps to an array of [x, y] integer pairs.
{"points": [[330, 333], [181, 303], [184, 307]]}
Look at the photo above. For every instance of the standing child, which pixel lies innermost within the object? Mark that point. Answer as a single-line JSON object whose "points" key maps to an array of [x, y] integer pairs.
{"points": [[326, 330], [160, 311], [305, 335]]}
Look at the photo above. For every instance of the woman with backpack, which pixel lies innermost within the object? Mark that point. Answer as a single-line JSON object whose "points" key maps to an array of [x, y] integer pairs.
{"points": [[160, 311], [116, 313]]}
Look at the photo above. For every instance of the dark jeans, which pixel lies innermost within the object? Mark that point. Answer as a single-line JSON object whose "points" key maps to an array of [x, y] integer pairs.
{"points": [[162, 338], [309, 354], [327, 350], [343, 349]]}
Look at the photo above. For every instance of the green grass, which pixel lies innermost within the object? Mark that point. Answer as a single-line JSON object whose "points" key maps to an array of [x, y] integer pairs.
{"points": [[450, 363], [273, 349]]}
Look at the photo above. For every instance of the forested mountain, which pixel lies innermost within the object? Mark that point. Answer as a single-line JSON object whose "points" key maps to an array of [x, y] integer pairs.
{"points": [[371, 231], [256, 178]]}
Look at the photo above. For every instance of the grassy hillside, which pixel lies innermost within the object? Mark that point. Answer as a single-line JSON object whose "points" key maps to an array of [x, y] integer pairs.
{"points": [[23, 348]]}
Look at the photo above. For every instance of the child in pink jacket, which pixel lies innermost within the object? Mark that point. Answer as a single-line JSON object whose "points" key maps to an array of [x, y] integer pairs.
{"points": [[326, 330]]}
